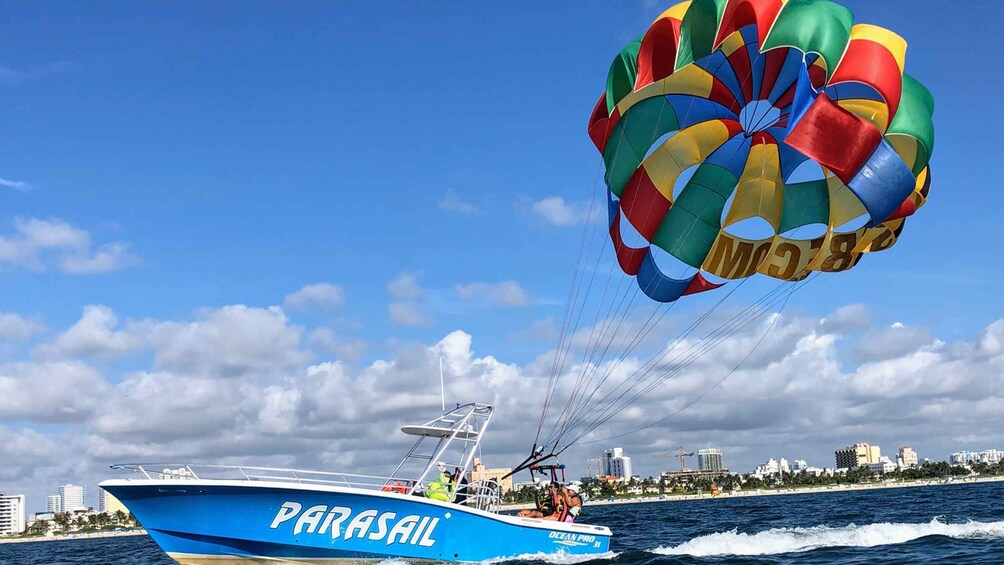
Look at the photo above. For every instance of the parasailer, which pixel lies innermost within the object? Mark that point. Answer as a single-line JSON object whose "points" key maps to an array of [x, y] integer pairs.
{"points": [[727, 117]]}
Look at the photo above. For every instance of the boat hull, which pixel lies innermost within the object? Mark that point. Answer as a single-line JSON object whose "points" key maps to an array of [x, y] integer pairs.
{"points": [[199, 521]]}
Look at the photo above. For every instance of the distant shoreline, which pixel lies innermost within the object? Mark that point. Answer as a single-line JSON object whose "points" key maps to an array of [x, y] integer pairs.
{"points": [[75, 535], [778, 492]]}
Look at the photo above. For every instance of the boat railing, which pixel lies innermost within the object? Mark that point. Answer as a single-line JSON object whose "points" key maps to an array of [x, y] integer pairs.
{"points": [[167, 471], [481, 494]]}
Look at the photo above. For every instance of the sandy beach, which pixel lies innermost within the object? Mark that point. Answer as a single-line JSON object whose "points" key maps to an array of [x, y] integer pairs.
{"points": [[779, 492], [88, 535]]}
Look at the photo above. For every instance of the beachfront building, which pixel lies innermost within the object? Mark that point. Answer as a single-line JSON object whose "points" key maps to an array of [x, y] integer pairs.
{"points": [[54, 504], [799, 465], [72, 497], [857, 455], [108, 503], [616, 464], [990, 457], [771, 467], [710, 460], [907, 457], [481, 473], [182, 473], [884, 465], [11, 514]]}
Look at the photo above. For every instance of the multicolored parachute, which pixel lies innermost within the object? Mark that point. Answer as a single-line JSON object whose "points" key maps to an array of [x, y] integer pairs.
{"points": [[748, 91]]}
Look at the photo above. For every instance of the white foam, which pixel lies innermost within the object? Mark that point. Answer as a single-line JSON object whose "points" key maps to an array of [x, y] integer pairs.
{"points": [[789, 540], [557, 558]]}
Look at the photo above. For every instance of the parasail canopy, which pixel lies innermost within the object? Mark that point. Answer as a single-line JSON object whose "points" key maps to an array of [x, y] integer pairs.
{"points": [[786, 112]]}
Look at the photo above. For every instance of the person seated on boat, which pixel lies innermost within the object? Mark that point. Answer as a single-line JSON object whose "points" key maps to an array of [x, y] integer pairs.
{"points": [[549, 506], [441, 488], [572, 499], [460, 484]]}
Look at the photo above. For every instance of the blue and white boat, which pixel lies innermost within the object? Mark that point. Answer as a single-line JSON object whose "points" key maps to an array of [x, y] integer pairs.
{"points": [[217, 514]]}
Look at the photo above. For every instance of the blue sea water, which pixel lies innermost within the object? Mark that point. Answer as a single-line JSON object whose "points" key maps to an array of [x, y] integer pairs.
{"points": [[936, 524]]}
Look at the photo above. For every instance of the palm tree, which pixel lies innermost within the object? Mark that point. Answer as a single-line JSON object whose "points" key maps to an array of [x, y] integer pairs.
{"points": [[62, 520]]}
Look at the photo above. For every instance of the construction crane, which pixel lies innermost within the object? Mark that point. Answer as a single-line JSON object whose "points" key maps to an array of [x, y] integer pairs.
{"points": [[677, 453]]}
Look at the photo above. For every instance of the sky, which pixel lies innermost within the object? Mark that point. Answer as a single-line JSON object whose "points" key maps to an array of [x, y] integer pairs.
{"points": [[247, 232]]}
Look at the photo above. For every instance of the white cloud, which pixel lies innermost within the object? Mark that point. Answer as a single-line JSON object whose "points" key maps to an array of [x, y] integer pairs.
{"points": [[892, 342], [94, 335], [323, 296], [452, 202], [404, 314], [14, 327], [42, 244], [556, 211], [405, 287], [228, 342], [506, 293], [538, 330], [15, 184], [105, 259], [345, 349], [49, 392], [235, 385]]}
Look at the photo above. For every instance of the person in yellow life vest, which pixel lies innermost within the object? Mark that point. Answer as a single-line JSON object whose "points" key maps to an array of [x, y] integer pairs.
{"points": [[442, 487]]}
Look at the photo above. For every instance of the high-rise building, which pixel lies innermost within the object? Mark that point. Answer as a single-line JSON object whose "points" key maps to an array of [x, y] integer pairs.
{"points": [[782, 466], [54, 503], [108, 503], [481, 473], [907, 457], [11, 514], [710, 460], [616, 464], [854, 456], [72, 497], [799, 465]]}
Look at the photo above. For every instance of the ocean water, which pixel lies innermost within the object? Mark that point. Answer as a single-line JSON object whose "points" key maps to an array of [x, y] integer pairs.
{"points": [[935, 524]]}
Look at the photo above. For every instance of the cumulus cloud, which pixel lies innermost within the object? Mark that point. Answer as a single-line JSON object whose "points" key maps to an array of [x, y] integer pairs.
{"points": [[49, 392], [14, 327], [324, 296], [506, 293], [235, 384], [556, 211], [95, 334], [893, 342], [452, 202], [404, 314], [408, 308], [345, 349], [405, 287], [40, 245], [229, 342]]}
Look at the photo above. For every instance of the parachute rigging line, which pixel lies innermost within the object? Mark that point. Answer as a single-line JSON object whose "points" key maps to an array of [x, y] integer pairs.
{"points": [[717, 383], [588, 367]]}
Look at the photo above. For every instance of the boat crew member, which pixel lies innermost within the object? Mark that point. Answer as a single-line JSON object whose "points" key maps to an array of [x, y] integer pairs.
{"points": [[460, 485], [441, 488]]}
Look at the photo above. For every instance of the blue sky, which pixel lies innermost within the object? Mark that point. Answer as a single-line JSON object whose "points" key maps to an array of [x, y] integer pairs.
{"points": [[198, 156]]}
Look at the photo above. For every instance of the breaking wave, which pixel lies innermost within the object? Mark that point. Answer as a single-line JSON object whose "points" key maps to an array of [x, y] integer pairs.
{"points": [[790, 540]]}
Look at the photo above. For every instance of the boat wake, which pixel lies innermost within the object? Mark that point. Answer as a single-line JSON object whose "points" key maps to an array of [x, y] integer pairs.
{"points": [[559, 558], [790, 540]]}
